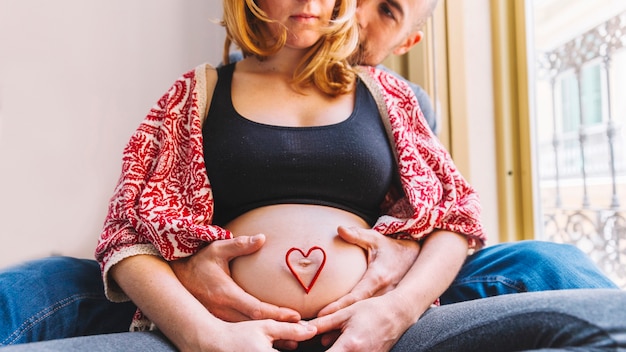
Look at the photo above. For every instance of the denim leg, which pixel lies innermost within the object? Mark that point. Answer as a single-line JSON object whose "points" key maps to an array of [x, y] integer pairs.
{"points": [[524, 266], [565, 320], [57, 297]]}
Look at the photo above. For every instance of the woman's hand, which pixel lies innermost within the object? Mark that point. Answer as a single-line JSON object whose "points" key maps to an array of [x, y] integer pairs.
{"points": [[256, 335], [388, 261], [206, 275]]}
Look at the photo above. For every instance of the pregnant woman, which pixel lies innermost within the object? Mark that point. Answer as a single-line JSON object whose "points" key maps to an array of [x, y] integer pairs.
{"points": [[294, 144]]}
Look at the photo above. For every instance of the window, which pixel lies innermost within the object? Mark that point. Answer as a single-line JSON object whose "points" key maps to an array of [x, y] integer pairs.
{"points": [[578, 51], [591, 95]]}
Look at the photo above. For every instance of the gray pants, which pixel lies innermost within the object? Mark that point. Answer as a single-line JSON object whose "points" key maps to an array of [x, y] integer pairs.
{"points": [[568, 320]]}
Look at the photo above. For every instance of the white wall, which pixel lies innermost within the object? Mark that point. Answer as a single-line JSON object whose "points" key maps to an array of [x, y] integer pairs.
{"points": [[76, 78]]}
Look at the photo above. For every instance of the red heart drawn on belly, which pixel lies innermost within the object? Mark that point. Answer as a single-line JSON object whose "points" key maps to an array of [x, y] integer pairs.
{"points": [[292, 256]]}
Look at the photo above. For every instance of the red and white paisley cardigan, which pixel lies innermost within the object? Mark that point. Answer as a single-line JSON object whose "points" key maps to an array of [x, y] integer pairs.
{"points": [[163, 203]]}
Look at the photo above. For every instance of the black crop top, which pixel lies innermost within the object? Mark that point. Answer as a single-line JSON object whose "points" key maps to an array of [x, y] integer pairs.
{"points": [[348, 165]]}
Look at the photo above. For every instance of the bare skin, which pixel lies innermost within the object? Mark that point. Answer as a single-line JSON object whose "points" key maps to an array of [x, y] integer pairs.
{"points": [[266, 275]]}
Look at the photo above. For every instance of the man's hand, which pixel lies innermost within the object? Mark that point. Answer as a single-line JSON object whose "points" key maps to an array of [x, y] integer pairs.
{"points": [[206, 275], [388, 261], [374, 324]]}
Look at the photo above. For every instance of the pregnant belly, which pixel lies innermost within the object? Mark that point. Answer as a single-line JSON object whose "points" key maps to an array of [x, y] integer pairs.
{"points": [[302, 252]]}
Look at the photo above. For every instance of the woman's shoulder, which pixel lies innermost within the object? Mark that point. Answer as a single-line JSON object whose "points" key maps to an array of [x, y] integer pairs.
{"points": [[206, 76], [390, 91], [196, 84], [205, 69], [386, 80]]}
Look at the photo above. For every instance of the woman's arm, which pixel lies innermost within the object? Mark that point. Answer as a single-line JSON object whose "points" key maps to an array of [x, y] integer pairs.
{"points": [[375, 324], [162, 203], [151, 284]]}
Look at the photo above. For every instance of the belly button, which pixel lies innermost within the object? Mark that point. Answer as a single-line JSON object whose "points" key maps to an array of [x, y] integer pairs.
{"points": [[305, 262], [296, 258]]}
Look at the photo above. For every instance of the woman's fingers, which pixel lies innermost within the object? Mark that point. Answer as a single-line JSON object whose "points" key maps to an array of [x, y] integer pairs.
{"points": [[290, 331]]}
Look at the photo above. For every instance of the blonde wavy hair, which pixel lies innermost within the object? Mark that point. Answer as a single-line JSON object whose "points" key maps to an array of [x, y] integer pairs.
{"points": [[326, 63]]}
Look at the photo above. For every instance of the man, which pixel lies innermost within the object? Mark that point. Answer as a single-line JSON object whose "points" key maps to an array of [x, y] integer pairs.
{"points": [[78, 307]]}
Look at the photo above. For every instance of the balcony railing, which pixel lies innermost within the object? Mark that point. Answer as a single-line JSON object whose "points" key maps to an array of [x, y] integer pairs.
{"points": [[583, 173], [597, 154]]}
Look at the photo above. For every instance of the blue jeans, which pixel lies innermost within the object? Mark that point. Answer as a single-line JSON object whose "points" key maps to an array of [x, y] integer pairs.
{"points": [[526, 266], [57, 297], [61, 297]]}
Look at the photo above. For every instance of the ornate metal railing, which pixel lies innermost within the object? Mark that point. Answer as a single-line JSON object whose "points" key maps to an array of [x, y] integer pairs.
{"points": [[597, 151], [600, 233], [592, 157]]}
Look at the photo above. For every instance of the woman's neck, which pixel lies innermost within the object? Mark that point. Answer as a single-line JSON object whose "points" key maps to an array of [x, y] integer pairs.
{"points": [[283, 63]]}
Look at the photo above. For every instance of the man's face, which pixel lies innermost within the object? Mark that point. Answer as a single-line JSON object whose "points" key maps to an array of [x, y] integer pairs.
{"points": [[387, 27]]}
